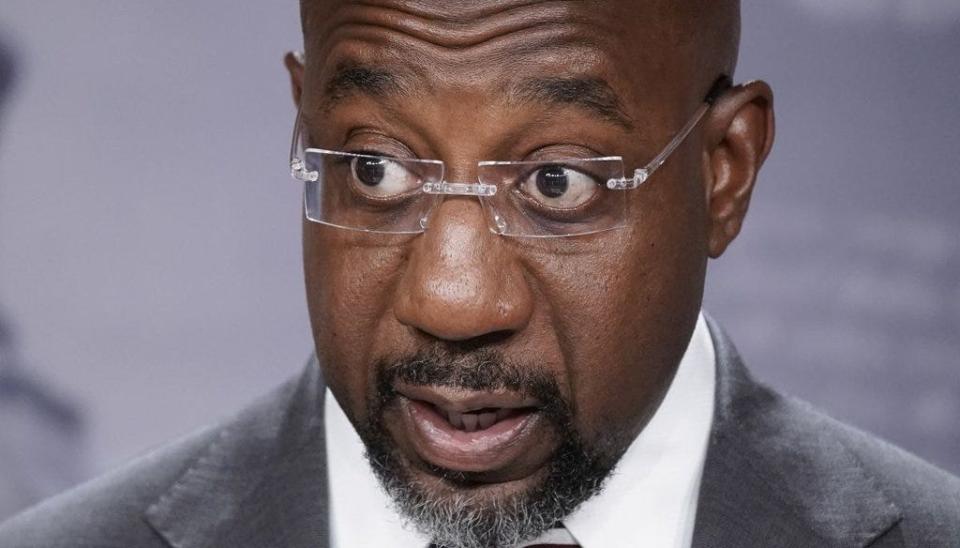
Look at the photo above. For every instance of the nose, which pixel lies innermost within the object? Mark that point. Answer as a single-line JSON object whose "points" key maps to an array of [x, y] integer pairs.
{"points": [[461, 282]]}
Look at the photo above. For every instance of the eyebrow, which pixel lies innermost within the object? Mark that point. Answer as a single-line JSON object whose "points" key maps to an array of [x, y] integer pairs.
{"points": [[592, 94], [350, 78]]}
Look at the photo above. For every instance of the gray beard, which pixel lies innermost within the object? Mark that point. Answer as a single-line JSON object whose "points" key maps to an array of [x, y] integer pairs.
{"points": [[462, 520], [461, 517]]}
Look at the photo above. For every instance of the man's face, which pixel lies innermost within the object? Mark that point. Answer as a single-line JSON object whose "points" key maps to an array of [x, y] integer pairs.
{"points": [[472, 362]]}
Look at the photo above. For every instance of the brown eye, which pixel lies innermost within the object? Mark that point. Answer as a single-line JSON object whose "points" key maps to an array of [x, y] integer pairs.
{"points": [[382, 177], [552, 181], [560, 187], [369, 171]]}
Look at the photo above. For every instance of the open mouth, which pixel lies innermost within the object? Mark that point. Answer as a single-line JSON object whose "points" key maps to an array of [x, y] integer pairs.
{"points": [[473, 431], [480, 419]]}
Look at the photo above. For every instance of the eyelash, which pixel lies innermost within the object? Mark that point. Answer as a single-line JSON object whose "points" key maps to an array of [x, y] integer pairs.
{"points": [[369, 152]]}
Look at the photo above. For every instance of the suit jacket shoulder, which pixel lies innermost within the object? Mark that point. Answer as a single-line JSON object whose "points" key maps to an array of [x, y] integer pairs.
{"points": [[780, 473], [927, 497], [107, 511], [115, 510]]}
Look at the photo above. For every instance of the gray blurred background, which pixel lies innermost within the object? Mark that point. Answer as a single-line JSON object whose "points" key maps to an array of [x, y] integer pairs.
{"points": [[149, 233]]}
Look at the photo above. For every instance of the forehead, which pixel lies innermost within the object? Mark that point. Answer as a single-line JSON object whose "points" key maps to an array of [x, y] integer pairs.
{"points": [[450, 45]]}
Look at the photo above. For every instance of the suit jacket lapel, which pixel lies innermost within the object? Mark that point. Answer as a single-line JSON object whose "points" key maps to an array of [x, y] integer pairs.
{"points": [[768, 482], [261, 483]]}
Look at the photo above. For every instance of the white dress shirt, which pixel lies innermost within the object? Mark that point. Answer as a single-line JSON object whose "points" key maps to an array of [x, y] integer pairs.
{"points": [[650, 500]]}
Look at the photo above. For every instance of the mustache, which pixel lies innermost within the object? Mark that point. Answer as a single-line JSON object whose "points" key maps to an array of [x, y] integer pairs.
{"points": [[482, 370]]}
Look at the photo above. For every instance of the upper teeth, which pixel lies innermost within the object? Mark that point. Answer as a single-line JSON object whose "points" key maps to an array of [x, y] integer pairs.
{"points": [[472, 421]]}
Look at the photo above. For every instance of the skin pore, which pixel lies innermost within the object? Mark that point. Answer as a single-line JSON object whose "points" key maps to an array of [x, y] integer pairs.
{"points": [[603, 318]]}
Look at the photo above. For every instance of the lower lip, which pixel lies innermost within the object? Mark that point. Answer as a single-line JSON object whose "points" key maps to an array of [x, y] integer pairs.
{"points": [[441, 444]]}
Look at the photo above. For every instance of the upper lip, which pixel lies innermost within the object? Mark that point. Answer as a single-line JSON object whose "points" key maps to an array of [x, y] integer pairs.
{"points": [[462, 401]]}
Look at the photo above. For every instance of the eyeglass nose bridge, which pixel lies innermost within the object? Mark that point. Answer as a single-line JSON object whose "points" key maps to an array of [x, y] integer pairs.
{"points": [[460, 189], [480, 190]]}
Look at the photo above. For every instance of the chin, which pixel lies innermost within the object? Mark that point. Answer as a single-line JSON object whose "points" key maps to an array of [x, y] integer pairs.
{"points": [[471, 509], [477, 489]]}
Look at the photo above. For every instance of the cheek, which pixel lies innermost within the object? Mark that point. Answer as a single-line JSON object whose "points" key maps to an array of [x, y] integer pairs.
{"points": [[349, 282], [623, 316]]}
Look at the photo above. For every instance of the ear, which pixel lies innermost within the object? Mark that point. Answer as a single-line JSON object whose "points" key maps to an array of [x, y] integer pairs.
{"points": [[738, 138], [294, 61]]}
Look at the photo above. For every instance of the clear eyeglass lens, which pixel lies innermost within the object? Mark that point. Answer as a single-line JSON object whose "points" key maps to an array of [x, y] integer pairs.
{"points": [[384, 177], [554, 198], [559, 186], [368, 193]]}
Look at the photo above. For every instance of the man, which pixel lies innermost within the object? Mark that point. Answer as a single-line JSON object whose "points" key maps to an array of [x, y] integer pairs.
{"points": [[509, 207]]}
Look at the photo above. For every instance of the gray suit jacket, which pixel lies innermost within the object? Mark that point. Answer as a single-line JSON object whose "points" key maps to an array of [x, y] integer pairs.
{"points": [[777, 474]]}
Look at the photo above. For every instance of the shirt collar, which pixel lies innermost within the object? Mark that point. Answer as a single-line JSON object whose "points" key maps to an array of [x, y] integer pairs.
{"points": [[651, 497], [360, 511]]}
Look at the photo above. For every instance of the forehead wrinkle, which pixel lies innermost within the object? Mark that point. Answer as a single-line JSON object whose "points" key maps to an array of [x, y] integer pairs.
{"points": [[458, 33], [462, 12], [415, 65], [710, 27], [404, 49], [586, 44], [420, 63], [521, 39]]}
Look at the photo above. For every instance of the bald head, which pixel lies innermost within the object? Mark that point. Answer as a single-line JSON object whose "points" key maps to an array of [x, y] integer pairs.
{"points": [[708, 31]]}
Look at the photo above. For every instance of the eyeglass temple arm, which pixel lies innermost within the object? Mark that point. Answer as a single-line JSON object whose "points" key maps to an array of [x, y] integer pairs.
{"points": [[640, 175], [297, 169]]}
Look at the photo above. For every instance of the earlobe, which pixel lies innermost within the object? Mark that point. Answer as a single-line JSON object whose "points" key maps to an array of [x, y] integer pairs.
{"points": [[294, 61], [738, 138]]}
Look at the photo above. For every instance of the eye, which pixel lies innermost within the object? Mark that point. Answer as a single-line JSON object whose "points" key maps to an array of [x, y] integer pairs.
{"points": [[382, 177], [560, 187]]}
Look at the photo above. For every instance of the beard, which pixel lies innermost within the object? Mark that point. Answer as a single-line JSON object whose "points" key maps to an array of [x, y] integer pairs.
{"points": [[465, 512]]}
